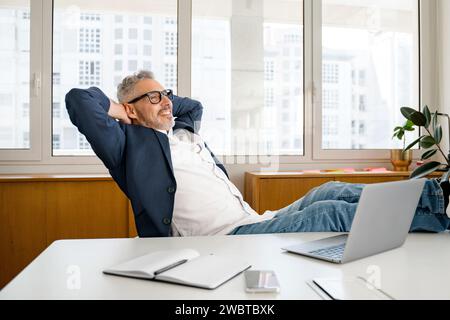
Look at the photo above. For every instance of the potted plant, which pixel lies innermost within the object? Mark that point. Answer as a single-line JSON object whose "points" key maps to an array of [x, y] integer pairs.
{"points": [[430, 141], [402, 158]]}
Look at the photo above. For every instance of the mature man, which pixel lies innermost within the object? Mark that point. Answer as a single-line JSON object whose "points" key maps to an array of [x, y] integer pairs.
{"points": [[176, 185]]}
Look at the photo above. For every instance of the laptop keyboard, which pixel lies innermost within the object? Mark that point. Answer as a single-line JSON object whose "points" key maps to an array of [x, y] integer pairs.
{"points": [[334, 253]]}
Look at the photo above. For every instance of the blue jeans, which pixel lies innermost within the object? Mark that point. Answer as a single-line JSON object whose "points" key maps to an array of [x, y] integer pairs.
{"points": [[331, 208]]}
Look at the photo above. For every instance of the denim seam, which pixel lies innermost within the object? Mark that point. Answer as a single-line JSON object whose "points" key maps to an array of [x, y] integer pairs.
{"points": [[438, 193], [303, 220], [442, 206], [354, 196]]}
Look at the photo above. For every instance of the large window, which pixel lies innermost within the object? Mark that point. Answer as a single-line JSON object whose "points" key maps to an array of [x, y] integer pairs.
{"points": [[370, 69], [308, 80], [15, 75], [98, 43], [247, 69]]}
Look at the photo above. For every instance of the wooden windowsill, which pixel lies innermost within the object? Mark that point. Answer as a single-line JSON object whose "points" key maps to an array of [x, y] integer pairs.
{"points": [[297, 174]]}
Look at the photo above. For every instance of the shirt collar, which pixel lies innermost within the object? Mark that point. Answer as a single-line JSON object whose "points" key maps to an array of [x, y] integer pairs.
{"points": [[167, 133]]}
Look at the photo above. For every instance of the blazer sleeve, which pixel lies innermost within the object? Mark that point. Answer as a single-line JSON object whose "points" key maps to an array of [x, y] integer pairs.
{"points": [[88, 111], [188, 112]]}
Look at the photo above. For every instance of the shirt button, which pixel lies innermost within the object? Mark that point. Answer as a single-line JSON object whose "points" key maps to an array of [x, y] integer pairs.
{"points": [[170, 189], [166, 221]]}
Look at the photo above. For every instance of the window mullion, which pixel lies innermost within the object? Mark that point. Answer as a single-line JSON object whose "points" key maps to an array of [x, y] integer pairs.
{"points": [[316, 86], [184, 13], [36, 22], [308, 82], [47, 99]]}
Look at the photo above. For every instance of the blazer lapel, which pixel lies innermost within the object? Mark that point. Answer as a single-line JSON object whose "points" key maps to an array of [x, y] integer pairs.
{"points": [[164, 142]]}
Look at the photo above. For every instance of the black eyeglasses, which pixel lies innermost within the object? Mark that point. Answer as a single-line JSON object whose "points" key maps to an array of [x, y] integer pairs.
{"points": [[154, 96]]}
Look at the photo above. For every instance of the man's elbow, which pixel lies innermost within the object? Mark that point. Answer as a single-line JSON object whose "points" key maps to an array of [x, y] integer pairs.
{"points": [[198, 106], [73, 96], [197, 110], [78, 97]]}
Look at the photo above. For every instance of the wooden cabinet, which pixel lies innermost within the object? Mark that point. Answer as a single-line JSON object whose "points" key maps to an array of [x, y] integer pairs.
{"points": [[37, 210], [273, 191]]}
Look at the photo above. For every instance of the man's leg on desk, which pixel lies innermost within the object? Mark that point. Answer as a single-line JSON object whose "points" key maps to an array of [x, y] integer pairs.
{"points": [[332, 206]]}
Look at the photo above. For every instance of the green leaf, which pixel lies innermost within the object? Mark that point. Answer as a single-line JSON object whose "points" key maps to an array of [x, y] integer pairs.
{"points": [[397, 131], [409, 126], [427, 142], [435, 120], [425, 170], [400, 135], [438, 134], [418, 119], [427, 114], [413, 143], [429, 154], [407, 112]]}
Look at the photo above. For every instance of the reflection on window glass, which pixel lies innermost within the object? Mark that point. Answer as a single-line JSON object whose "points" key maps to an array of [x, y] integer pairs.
{"points": [[247, 70], [15, 75], [98, 43], [370, 69]]}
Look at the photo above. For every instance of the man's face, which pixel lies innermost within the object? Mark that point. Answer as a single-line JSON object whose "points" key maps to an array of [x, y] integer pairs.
{"points": [[144, 112]]}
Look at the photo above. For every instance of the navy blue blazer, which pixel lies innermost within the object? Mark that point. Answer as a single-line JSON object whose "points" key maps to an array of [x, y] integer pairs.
{"points": [[138, 158]]}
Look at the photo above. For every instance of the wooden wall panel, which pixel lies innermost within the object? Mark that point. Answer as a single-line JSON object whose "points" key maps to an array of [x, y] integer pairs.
{"points": [[132, 232], [276, 193], [37, 210], [84, 210], [251, 190], [22, 226]]}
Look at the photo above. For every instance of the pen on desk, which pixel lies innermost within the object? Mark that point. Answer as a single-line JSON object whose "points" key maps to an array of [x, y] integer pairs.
{"points": [[173, 265]]}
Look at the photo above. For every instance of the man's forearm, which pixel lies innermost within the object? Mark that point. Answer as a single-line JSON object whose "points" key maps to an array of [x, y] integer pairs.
{"points": [[88, 110]]}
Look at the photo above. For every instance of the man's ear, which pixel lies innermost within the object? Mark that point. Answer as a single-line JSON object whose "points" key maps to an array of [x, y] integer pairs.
{"points": [[131, 112]]}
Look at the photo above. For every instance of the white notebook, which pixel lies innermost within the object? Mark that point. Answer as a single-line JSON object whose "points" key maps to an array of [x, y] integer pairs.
{"points": [[184, 266]]}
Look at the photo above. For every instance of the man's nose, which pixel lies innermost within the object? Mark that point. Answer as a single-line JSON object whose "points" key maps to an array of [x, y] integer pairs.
{"points": [[165, 101]]}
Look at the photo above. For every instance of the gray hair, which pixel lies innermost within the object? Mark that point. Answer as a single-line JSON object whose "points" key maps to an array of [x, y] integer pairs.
{"points": [[126, 87]]}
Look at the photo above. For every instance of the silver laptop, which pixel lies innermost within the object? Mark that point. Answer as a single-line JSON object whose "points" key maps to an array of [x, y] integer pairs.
{"points": [[382, 221]]}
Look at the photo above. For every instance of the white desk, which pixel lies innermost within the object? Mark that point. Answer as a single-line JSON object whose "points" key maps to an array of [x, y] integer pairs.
{"points": [[418, 270]]}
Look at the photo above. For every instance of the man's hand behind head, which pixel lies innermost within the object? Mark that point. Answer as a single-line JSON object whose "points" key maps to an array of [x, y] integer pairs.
{"points": [[117, 111]]}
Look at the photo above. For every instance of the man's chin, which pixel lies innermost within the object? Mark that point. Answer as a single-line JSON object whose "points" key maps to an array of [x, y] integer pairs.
{"points": [[167, 125]]}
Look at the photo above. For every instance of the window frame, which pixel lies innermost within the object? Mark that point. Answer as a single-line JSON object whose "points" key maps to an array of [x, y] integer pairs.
{"points": [[306, 157], [426, 94], [47, 96], [34, 152], [41, 60]]}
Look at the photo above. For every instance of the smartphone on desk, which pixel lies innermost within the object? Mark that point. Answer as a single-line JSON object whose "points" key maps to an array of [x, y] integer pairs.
{"points": [[261, 281]]}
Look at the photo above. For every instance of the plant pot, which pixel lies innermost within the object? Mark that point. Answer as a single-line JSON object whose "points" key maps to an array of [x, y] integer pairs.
{"points": [[401, 160]]}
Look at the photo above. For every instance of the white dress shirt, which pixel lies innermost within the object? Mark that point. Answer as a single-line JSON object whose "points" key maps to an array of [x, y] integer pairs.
{"points": [[206, 201], [447, 211]]}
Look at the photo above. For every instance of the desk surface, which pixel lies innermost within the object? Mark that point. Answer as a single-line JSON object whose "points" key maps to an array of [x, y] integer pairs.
{"points": [[418, 270]]}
